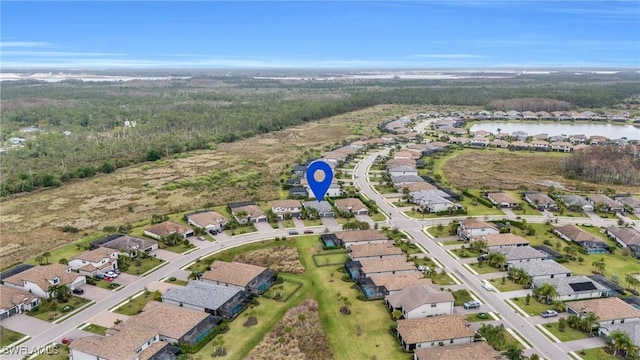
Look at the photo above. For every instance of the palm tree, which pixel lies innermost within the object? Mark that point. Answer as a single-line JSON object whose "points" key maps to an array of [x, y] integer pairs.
{"points": [[60, 292], [495, 335], [589, 321], [46, 256], [619, 341], [497, 260], [513, 352], [546, 292]]}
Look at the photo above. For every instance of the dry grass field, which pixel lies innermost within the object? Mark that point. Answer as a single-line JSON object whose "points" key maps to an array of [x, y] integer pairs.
{"points": [[247, 169]]}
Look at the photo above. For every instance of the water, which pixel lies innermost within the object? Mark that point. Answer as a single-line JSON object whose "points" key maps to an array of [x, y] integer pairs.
{"points": [[611, 131]]}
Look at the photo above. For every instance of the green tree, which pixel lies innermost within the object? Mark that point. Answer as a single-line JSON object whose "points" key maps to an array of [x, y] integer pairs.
{"points": [[60, 292], [513, 352], [153, 155], [620, 342], [545, 293], [46, 256]]}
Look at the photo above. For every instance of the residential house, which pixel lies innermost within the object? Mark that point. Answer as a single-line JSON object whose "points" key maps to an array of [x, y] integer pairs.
{"points": [[480, 350], [209, 220], [591, 244], [501, 199], [130, 344], [605, 203], [459, 140], [540, 137], [539, 145], [434, 331], [575, 288], [38, 279], [499, 115], [15, 301], [558, 138], [513, 115], [399, 181], [323, 208], [542, 269], [540, 201], [481, 133], [402, 169], [543, 115], [250, 278], [519, 145], [298, 192], [93, 262], [405, 154], [520, 135], [501, 144], [433, 200], [126, 244], [497, 241], [333, 190], [577, 139], [376, 266], [247, 211], [396, 282], [470, 229], [598, 140], [418, 186], [631, 329], [219, 300], [351, 205], [576, 203], [286, 208], [626, 238], [164, 229], [630, 203], [479, 142], [375, 251], [421, 301], [610, 311], [561, 146], [517, 254]]}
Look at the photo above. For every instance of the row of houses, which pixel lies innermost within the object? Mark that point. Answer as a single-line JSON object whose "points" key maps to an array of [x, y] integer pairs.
{"points": [[537, 145], [622, 116]]}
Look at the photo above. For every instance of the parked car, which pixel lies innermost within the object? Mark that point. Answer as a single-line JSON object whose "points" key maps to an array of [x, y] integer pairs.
{"points": [[106, 278], [117, 271], [78, 291], [293, 232], [549, 313], [201, 238], [308, 231], [99, 276], [487, 286], [472, 304], [66, 340], [111, 274]]}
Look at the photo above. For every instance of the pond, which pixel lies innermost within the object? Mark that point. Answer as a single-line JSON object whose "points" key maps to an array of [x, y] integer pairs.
{"points": [[611, 131]]}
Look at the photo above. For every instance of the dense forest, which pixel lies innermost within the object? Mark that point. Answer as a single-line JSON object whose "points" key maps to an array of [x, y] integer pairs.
{"points": [[83, 132], [605, 164]]}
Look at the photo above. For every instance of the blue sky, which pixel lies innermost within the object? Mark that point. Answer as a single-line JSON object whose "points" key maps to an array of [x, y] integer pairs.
{"points": [[305, 34]]}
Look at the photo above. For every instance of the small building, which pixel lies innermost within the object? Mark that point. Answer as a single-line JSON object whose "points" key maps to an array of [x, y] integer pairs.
{"points": [[38, 279], [501, 199], [575, 288], [542, 269], [209, 220], [218, 300], [470, 229], [480, 350], [385, 266], [517, 254], [286, 208], [434, 331], [359, 237], [540, 201], [164, 229], [250, 278], [351, 205], [94, 262], [375, 251], [610, 311], [323, 208], [626, 238], [247, 211], [420, 301], [15, 301], [498, 241]]}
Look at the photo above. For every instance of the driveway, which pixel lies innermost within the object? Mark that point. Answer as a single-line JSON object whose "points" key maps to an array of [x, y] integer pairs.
{"points": [[263, 227], [161, 286], [77, 334], [365, 218], [95, 293], [331, 224], [25, 324], [107, 319], [126, 279], [166, 255]]}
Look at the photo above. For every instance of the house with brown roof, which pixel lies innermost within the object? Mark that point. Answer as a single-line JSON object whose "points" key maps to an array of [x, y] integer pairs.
{"points": [[359, 237], [38, 279], [498, 241], [626, 238], [286, 208], [539, 200], [610, 311], [446, 330], [396, 282], [418, 186], [470, 229], [251, 278], [420, 301], [480, 350], [629, 202], [131, 343], [386, 266], [604, 203], [93, 262], [590, 243], [251, 212], [501, 144], [519, 145], [561, 146], [375, 251], [540, 145], [501, 199], [15, 301], [351, 205], [164, 229], [209, 220]]}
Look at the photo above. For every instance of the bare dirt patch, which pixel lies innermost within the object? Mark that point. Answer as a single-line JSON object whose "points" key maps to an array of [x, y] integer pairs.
{"points": [[281, 259]]}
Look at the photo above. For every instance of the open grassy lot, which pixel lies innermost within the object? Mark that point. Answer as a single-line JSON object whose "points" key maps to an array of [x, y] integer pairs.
{"points": [[595, 354], [568, 334], [312, 222], [57, 309], [357, 336], [96, 329], [139, 267], [288, 224], [8, 336], [534, 308], [134, 306], [440, 231]]}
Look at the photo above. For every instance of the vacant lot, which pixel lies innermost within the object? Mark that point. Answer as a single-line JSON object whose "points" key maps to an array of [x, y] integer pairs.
{"points": [[247, 169]]}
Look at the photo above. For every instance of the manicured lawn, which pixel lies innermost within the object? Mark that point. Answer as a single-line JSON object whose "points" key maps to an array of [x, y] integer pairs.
{"points": [[288, 224], [180, 248], [342, 220], [135, 305], [508, 284], [105, 284], [282, 291], [568, 334], [310, 222], [8, 336], [526, 210], [402, 204], [596, 354], [378, 217], [442, 279], [632, 216], [59, 352], [330, 258], [474, 208], [465, 253], [408, 247], [245, 229], [485, 269], [477, 317], [139, 267], [440, 231], [177, 281], [534, 308], [419, 215], [452, 242], [58, 309], [593, 230], [385, 189], [96, 329]]}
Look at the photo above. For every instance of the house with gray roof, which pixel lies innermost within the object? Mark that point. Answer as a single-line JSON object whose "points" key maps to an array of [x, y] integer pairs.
{"points": [[433, 200], [323, 208], [575, 288], [542, 269], [626, 238], [421, 301], [405, 179], [219, 300], [631, 329], [576, 203], [629, 202], [518, 254], [539, 200]]}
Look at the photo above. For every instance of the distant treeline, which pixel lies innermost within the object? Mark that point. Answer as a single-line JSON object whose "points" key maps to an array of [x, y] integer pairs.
{"points": [[529, 104], [610, 164], [183, 115]]}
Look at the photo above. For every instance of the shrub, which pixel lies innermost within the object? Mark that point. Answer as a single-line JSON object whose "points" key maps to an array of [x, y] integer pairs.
{"points": [[345, 310], [172, 278]]}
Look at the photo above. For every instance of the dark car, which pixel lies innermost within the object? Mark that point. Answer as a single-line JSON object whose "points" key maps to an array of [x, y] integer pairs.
{"points": [[308, 231], [77, 291], [66, 340], [293, 232]]}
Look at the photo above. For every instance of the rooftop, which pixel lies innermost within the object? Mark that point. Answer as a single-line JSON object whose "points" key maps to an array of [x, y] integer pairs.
{"points": [[95, 255], [361, 235], [289, 203], [349, 204], [322, 206], [371, 266], [474, 223], [201, 294], [606, 309], [122, 346], [234, 273], [10, 297], [42, 275], [514, 253], [167, 228], [383, 249], [503, 240], [412, 297], [541, 268], [396, 282], [628, 236], [207, 218], [128, 242], [438, 328], [475, 351], [572, 284], [576, 234], [502, 197]]}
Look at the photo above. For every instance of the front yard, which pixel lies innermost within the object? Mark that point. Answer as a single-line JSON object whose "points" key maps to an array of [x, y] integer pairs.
{"points": [[8, 336], [134, 306], [568, 334], [96, 329], [534, 308], [59, 352], [312, 222], [507, 286], [53, 310], [180, 248], [103, 284], [246, 229], [478, 317], [485, 269], [140, 266], [595, 354], [288, 223]]}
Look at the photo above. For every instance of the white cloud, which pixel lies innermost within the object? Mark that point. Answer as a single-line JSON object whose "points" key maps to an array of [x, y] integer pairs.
{"points": [[24, 44], [449, 56]]}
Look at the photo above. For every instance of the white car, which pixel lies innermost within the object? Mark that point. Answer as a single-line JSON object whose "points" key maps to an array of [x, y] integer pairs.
{"points": [[111, 274], [487, 286]]}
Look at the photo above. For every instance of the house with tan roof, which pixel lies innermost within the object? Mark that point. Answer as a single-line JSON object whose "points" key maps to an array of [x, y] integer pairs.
{"points": [[209, 220], [219, 300], [164, 229], [610, 311], [501, 144], [286, 208], [480, 350], [246, 213], [501, 199], [446, 330], [540, 145], [420, 301], [498, 241], [418, 186], [561, 146], [590, 243], [38, 279], [384, 266], [15, 301], [375, 251], [251, 278], [539, 200], [626, 238], [396, 282], [629, 202], [131, 344], [604, 203], [351, 205], [93, 262], [359, 237], [470, 229]]}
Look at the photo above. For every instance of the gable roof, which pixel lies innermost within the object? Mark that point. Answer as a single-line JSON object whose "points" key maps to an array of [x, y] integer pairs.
{"points": [[349, 204], [513, 253], [542, 198], [386, 264], [10, 296], [628, 236], [167, 228], [474, 223], [432, 329], [574, 200], [419, 186], [40, 275], [502, 197], [322, 206], [201, 294], [95, 255], [503, 240], [127, 242], [289, 203], [541, 268], [208, 217], [576, 234], [606, 309], [475, 351], [603, 199], [119, 347], [253, 211], [564, 284], [383, 249], [413, 297], [234, 273], [396, 282], [361, 235]]}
